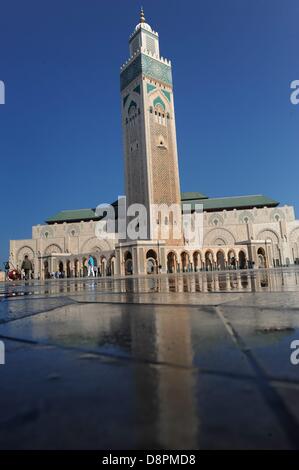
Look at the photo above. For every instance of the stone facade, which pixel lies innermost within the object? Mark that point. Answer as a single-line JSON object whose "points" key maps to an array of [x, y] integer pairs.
{"points": [[238, 238], [63, 248]]}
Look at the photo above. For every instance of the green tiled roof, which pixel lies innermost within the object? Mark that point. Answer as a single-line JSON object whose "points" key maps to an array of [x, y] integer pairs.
{"points": [[77, 215], [236, 202], [72, 215], [209, 205], [193, 195]]}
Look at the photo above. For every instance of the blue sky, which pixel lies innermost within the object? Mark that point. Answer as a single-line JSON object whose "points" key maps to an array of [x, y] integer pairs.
{"points": [[60, 129]]}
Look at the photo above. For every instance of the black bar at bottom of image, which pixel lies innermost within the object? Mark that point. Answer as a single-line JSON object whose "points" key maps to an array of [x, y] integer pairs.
{"points": [[134, 459]]}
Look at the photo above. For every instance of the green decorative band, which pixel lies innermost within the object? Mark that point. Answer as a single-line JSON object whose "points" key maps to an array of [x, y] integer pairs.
{"points": [[150, 87], [158, 101], [167, 94], [125, 100], [137, 89], [132, 105], [148, 66]]}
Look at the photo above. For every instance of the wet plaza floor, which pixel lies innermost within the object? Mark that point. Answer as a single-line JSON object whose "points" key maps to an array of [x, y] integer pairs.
{"points": [[189, 361]]}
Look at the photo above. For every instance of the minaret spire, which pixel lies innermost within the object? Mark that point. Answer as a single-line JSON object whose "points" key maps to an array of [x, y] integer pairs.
{"points": [[142, 17]]}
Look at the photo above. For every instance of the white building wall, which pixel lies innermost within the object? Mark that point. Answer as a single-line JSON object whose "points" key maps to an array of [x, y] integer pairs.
{"points": [[275, 230]]}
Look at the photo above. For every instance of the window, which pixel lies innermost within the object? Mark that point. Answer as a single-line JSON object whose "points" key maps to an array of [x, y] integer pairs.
{"points": [[150, 44]]}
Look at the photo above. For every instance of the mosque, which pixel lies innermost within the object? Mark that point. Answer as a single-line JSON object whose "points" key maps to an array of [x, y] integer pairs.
{"points": [[241, 232]]}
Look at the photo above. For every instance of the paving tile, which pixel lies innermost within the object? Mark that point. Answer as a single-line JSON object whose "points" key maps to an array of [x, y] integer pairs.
{"points": [[268, 333], [194, 361], [21, 307], [55, 398], [161, 334]]}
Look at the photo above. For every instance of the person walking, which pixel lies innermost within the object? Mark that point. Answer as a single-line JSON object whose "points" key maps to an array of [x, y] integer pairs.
{"points": [[90, 263], [27, 267]]}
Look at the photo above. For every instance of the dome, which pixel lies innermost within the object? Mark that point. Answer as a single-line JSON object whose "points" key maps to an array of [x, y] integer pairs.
{"points": [[144, 25]]}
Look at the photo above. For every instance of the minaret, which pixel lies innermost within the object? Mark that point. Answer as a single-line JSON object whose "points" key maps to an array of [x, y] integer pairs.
{"points": [[148, 121]]}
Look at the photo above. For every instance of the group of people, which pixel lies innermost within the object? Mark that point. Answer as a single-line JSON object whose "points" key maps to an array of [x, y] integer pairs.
{"points": [[16, 274], [91, 270], [27, 272]]}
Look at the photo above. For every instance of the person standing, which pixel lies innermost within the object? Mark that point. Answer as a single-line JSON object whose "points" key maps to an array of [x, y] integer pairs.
{"points": [[7, 269], [90, 266], [27, 267]]}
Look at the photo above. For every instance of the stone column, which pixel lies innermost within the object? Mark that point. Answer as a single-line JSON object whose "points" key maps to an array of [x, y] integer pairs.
{"points": [[141, 261], [163, 260], [135, 260]]}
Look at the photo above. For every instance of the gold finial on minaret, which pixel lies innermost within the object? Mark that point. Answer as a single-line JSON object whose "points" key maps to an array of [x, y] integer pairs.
{"points": [[142, 18]]}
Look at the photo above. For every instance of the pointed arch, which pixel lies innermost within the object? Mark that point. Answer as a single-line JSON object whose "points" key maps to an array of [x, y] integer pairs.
{"points": [[222, 234], [159, 102], [23, 251], [94, 242], [52, 248]]}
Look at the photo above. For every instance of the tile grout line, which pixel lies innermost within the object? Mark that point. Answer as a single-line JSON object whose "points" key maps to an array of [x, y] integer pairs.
{"points": [[288, 422]]}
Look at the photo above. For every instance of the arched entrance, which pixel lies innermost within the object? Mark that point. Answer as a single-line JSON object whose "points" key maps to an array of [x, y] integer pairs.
{"points": [[261, 256], [95, 266], [112, 266], [46, 270], [171, 262], [242, 260], [128, 263], [76, 267], [220, 260], [197, 261], [103, 266], [231, 259], [185, 261], [209, 260], [151, 262], [84, 267], [68, 269], [60, 269]]}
